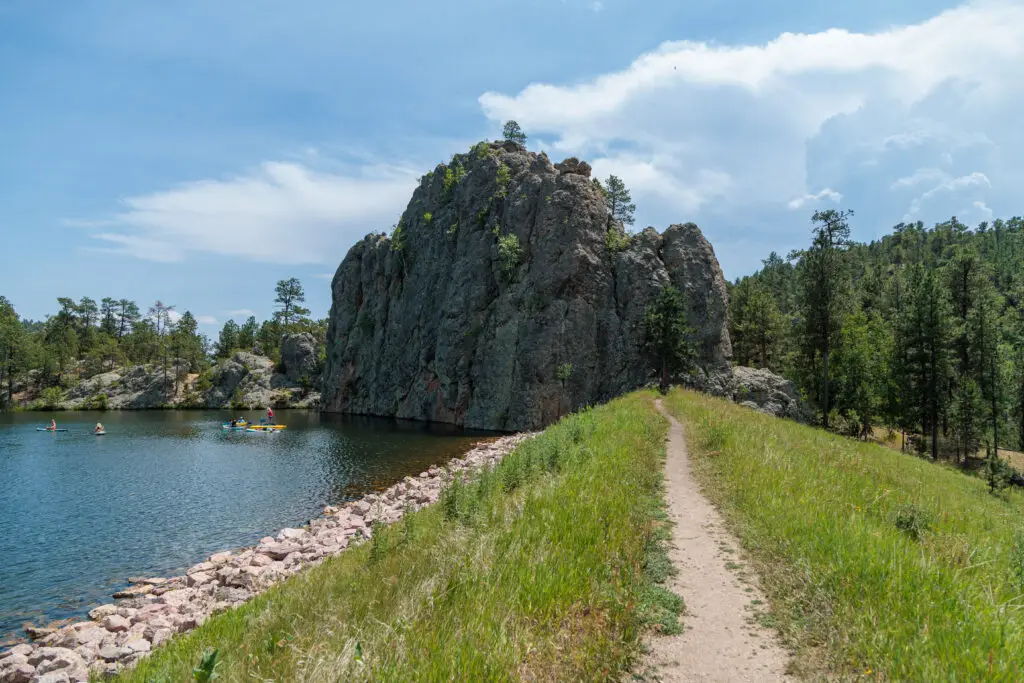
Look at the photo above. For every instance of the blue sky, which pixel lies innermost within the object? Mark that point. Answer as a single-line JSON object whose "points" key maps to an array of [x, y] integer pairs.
{"points": [[197, 152]]}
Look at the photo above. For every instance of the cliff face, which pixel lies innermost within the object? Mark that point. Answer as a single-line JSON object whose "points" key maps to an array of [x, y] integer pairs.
{"points": [[501, 272]]}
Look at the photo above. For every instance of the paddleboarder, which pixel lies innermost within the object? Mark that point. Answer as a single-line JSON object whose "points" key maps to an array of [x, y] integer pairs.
{"points": [[53, 425]]}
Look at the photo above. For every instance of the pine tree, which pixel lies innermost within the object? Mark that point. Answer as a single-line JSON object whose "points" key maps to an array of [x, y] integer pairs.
{"points": [[127, 315], [755, 324], [984, 339], [228, 340], [108, 316], [862, 367], [667, 336], [965, 417], [247, 333], [620, 203], [12, 347], [824, 287], [513, 133], [925, 338], [290, 296]]}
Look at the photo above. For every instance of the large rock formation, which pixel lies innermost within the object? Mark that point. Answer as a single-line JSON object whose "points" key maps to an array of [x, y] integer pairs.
{"points": [[500, 274], [773, 394]]}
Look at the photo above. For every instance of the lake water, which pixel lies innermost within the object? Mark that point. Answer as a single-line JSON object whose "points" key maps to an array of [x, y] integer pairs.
{"points": [[162, 490]]}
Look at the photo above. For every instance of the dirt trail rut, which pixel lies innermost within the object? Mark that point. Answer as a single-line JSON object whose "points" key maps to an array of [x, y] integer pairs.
{"points": [[722, 642]]}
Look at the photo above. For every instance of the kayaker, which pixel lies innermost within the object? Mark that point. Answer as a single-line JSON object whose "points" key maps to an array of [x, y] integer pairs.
{"points": [[232, 423], [53, 425], [99, 428]]}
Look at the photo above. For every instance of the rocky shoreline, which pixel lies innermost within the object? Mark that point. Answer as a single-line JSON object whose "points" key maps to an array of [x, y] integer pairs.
{"points": [[152, 610]]}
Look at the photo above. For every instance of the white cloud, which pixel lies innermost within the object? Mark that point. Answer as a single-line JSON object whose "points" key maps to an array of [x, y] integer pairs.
{"points": [[952, 186], [828, 194], [241, 313], [172, 315], [282, 212], [206, 320], [921, 175], [859, 113]]}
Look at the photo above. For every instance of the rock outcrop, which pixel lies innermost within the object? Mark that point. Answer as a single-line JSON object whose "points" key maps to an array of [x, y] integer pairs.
{"points": [[769, 393], [133, 387], [299, 358], [244, 380], [504, 299]]}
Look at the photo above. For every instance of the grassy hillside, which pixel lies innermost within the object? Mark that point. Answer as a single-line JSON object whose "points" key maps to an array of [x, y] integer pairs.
{"points": [[545, 569], [879, 565]]}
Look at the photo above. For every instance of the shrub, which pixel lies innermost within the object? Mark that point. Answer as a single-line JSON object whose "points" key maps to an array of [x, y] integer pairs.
{"points": [[1017, 555], [481, 149], [238, 400], [504, 177], [998, 473], [398, 236], [509, 252], [204, 382], [615, 240], [98, 402], [452, 177], [427, 217], [50, 398], [912, 520]]}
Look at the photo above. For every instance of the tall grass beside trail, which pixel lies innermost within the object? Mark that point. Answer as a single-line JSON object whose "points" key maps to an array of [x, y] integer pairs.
{"points": [[544, 569], [879, 565]]}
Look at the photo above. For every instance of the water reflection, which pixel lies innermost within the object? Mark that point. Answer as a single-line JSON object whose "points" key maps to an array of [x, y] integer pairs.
{"points": [[163, 489]]}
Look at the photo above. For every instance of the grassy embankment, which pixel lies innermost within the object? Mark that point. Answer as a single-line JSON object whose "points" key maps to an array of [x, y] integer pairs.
{"points": [[547, 568], [879, 565]]}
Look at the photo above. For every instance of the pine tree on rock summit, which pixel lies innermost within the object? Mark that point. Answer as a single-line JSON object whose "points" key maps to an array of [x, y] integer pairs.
{"points": [[511, 132]]}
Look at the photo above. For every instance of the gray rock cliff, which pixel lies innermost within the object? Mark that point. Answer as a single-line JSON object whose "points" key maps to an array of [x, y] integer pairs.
{"points": [[769, 393], [500, 272], [299, 357]]}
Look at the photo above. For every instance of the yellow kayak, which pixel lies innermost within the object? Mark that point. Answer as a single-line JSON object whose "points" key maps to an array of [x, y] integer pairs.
{"points": [[274, 427]]}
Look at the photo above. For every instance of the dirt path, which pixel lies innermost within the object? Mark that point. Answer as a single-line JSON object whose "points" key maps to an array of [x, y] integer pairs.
{"points": [[722, 640]]}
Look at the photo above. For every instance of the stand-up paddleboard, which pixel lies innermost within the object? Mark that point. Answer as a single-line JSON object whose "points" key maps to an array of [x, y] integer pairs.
{"points": [[47, 429], [99, 433]]}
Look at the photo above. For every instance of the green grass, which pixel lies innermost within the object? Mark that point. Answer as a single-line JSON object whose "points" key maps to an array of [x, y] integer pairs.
{"points": [[878, 565], [546, 568]]}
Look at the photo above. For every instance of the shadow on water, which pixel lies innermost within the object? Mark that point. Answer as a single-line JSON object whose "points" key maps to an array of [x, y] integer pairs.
{"points": [[163, 489]]}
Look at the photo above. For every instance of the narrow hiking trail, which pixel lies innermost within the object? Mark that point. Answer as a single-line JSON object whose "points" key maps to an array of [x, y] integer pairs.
{"points": [[722, 641]]}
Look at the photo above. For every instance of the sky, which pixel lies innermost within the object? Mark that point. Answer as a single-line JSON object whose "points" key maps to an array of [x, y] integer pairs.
{"points": [[197, 152]]}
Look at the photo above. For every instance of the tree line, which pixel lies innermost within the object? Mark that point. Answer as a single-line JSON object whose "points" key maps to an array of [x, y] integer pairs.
{"points": [[921, 332], [83, 338]]}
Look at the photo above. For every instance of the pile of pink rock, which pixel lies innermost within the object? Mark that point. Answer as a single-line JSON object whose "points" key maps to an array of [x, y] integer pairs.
{"points": [[152, 610]]}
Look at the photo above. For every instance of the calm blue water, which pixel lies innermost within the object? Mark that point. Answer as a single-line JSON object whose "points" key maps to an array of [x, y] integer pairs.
{"points": [[164, 489]]}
